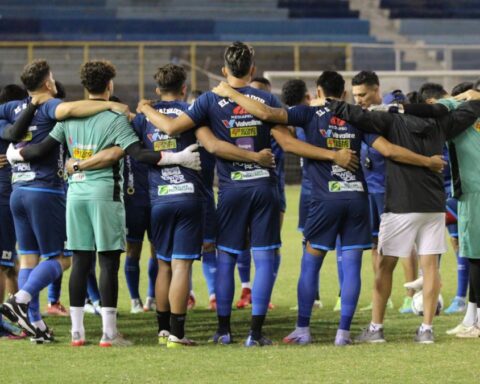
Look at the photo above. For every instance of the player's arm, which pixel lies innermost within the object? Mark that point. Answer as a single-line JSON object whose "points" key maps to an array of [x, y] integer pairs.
{"points": [[32, 151], [254, 107], [461, 118], [471, 94], [103, 159], [85, 108], [163, 122], [346, 158], [18, 130], [403, 155], [231, 152]]}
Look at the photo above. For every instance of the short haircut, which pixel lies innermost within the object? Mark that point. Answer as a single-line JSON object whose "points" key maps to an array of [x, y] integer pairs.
{"points": [[12, 92], [431, 91], [293, 92], [61, 92], [368, 78], [332, 83], [462, 87], [262, 80], [413, 97], [34, 74], [96, 74], [238, 58], [170, 78]]}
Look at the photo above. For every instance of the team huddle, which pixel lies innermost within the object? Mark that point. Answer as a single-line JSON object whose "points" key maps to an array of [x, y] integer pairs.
{"points": [[375, 175]]}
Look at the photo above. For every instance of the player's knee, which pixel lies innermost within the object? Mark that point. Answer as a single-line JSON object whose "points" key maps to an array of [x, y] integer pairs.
{"points": [[208, 247], [134, 249], [29, 261], [313, 251], [66, 262]]}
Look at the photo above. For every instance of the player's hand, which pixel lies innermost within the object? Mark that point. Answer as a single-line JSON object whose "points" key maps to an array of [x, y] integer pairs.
{"points": [[223, 89], [391, 108], [40, 98], [119, 108], [69, 166], [265, 158], [318, 102], [346, 158], [13, 155], [143, 103], [471, 94], [3, 161], [437, 163], [189, 158]]}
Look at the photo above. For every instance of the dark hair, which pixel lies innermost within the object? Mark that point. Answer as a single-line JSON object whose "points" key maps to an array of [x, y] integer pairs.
{"points": [[12, 92], [115, 99], [369, 78], [431, 90], [34, 74], [170, 78], [332, 83], [238, 58], [413, 97], [293, 92], [61, 93], [262, 80], [462, 87], [96, 74]]}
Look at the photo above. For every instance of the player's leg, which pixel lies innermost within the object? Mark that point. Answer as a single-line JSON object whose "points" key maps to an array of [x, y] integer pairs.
{"points": [[338, 251], [473, 330], [149, 304], [244, 262], [92, 304], [209, 254], [410, 268]]}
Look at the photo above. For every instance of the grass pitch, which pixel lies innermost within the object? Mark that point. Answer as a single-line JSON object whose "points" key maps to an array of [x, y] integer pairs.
{"points": [[400, 360]]}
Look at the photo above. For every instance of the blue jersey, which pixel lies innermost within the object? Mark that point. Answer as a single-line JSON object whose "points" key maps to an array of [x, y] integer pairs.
{"points": [[46, 172], [173, 182], [306, 183], [279, 161], [208, 168], [135, 182], [373, 169], [233, 124], [5, 171], [322, 129], [447, 183]]}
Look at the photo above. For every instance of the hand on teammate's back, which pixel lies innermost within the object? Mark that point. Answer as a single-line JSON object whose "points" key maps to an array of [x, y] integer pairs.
{"points": [[266, 158], [437, 163], [223, 89], [188, 158], [346, 158], [471, 94], [142, 103], [40, 98], [3, 161], [120, 108]]}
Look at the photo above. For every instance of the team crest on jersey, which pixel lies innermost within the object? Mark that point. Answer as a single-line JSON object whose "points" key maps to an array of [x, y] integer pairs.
{"points": [[238, 110], [334, 120], [477, 125]]}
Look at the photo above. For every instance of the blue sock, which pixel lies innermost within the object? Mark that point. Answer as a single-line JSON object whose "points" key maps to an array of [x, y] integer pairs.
{"points": [[276, 264], [225, 282], [132, 275], [209, 267], [307, 287], [92, 285], [338, 247], [34, 308], [462, 275], [244, 261], [352, 265], [55, 290], [263, 281], [43, 274], [152, 276]]}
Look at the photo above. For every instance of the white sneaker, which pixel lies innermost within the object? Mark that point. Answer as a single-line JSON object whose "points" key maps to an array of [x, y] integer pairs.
{"points": [[460, 328], [137, 306], [150, 304], [417, 285], [117, 341], [472, 332], [92, 308]]}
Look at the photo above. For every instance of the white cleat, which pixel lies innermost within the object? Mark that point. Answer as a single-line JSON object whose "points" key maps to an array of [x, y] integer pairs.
{"points": [[136, 307], [117, 341], [417, 285], [460, 328], [150, 304]]}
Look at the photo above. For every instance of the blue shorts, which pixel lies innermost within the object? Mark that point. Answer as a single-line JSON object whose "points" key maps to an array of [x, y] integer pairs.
{"points": [[177, 231], [8, 253], [254, 209], [451, 207], [347, 218], [39, 218], [281, 195], [303, 205], [377, 206], [137, 220], [210, 218]]}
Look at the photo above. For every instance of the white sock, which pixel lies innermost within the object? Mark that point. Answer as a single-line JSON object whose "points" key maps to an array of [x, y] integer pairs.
{"points": [[302, 329], [343, 333], [40, 324], [478, 317], [471, 315], [246, 285], [23, 297], [109, 321], [375, 327], [425, 327], [76, 316]]}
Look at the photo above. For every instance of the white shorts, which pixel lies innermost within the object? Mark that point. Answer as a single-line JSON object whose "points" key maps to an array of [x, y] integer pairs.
{"points": [[401, 232]]}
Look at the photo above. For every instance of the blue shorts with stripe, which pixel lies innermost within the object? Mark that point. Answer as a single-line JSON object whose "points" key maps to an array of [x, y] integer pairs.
{"points": [[137, 218], [243, 210], [177, 229], [8, 253], [210, 218], [303, 205], [347, 218], [377, 206], [39, 218], [452, 208]]}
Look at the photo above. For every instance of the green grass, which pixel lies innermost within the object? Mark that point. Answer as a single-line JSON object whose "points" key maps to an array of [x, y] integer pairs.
{"points": [[399, 360]]}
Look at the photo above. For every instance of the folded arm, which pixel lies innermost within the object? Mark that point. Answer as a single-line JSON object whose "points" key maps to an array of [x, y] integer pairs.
{"points": [[18, 130], [165, 123]]}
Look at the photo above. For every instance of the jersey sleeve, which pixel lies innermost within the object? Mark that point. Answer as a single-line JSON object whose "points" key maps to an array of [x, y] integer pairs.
{"points": [[58, 132], [274, 102], [451, 104], [138, 124], [300, 115], [369, 138], [51, 106], [7, 111], [198, 111], [123, 133]]}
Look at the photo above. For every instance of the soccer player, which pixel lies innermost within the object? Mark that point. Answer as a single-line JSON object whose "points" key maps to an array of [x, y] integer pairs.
{"points": [[38, 198], [415, 202], [248, 198], [339, 202]]}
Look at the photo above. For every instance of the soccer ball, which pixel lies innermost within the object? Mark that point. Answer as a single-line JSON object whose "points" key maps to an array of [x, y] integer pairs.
{"points": [[417, 304]]}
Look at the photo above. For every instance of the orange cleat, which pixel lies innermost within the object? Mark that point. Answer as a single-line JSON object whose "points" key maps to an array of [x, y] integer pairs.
{"points": [[271, 305], [245, 299], [57, 309]]}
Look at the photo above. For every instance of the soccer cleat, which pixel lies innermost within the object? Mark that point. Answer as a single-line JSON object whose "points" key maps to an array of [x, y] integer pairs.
{"points": [[117, 341], [245, 299], [261, 342], [406, 306], [149, 304], [221, 338], [175, 342], [342, 341], [191, 301], [212, 304], [300, 336], [136, 307], [42, 337], [417, 285], [18, 313], [77, 340], [457, 305], [458, 329], [317, 304], [271, 306], [472, 332], [338, 305], [163, 337], [424, 336], [92, 308], [367, 308], [57, 309], [368, 336]]}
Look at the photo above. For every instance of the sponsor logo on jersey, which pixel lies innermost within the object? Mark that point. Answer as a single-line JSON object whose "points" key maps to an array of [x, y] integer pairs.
{"points": [[164, 190], [334, 120], [249, 175], [343, 186], [243, 132], [338, 143], [81, 153], [477, 125], [164, 145]]}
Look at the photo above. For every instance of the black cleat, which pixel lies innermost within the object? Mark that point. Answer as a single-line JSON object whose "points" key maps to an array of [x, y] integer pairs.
{"points": [[17, 313], [42, 337]]}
